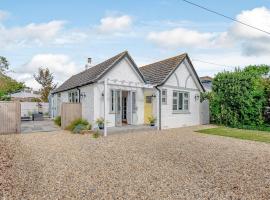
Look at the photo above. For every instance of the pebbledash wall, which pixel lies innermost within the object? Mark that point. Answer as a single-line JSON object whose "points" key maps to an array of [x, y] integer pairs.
{"points": [[181, 80]]}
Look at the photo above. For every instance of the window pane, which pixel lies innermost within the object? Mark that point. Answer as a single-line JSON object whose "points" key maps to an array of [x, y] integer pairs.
{"points": [[174, 94], [163, 92], [163, 100], [180, 101], [112, 100], [174, 107], [186, 104], [186, 95]]}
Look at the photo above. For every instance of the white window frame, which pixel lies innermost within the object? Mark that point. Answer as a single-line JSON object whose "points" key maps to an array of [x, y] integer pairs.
{"points": [[73, 96], [164, 96], [184, 107]]}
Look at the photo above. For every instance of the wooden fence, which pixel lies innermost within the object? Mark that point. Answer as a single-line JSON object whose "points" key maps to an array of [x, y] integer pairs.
{"points": [[70, 112], [10, 117]]}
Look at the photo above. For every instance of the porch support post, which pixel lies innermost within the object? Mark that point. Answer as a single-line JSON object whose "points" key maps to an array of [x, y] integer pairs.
{"points": [[105, 106]]}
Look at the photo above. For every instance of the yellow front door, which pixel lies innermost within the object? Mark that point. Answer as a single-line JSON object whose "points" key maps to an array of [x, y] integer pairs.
{"points": [[148, 108]]}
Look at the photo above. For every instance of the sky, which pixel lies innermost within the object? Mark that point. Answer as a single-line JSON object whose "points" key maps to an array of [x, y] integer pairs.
{"points": [[61, 35]]}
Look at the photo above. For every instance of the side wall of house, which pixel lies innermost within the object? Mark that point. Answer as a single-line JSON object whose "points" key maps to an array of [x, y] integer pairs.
{"points": [[87, 101], [182, 80], [88, 104]]}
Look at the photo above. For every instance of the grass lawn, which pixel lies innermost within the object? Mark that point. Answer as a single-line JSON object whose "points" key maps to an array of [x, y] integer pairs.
{"points": [[260, 136]]}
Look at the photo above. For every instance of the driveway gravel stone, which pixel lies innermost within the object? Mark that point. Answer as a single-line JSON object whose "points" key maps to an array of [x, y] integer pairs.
{"points": [[170, 164]]}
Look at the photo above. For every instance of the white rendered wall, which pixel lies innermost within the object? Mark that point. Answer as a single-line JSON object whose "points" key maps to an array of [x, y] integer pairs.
{"points": [[87, 101], [181, 80]]}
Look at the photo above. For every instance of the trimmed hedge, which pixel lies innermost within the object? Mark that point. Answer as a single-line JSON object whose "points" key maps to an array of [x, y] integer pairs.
{"points": [[238, 99]]}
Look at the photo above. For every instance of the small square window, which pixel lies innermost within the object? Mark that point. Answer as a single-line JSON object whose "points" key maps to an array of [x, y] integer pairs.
{"points": [[164, 96]]}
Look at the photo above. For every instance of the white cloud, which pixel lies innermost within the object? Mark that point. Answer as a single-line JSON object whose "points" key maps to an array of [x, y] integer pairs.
{"points": [[226, 61], [60, 65], [257, 17], [115, 24], [3, 15], [254, 42], [251, 41], [52, 32], [31, 33], [179, 37]]}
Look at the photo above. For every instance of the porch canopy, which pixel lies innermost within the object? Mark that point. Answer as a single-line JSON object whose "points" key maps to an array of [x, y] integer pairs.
{"points": [[122, 84]]}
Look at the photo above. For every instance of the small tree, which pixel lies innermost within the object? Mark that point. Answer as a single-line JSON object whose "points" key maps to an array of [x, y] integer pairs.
{"points": [[7, 84], [45, 78], [4, 65]]}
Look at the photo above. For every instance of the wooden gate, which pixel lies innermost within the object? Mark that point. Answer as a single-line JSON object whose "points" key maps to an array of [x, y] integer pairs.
{"points": [[10, 117], [204, 112], [70, 112]]}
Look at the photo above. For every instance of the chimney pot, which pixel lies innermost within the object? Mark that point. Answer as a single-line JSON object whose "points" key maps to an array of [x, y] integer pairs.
{"points": [[88, 64], [89, 60]]}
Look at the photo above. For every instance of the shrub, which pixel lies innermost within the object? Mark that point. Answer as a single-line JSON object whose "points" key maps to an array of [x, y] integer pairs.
{"points": [[88, 127], [76, 122], [78, 128], [57, 120]]}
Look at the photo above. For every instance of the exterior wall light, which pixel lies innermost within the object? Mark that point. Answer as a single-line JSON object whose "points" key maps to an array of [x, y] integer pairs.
{"points": [[83, 95], [197, 97]]}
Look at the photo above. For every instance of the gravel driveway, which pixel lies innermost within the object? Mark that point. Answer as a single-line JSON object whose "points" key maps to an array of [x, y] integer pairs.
{"points": [[173, 164]]}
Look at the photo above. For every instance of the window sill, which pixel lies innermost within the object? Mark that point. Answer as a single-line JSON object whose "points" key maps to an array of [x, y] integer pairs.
{"points": [[181, 112]]}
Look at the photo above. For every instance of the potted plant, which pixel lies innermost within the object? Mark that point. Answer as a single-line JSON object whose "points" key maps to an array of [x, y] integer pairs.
{"points": [[100, 123], [152, 120]]}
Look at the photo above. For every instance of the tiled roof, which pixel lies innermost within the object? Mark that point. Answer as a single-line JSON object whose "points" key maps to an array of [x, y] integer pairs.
{"points": [[90, 75], [206, 78], [156, 73]]}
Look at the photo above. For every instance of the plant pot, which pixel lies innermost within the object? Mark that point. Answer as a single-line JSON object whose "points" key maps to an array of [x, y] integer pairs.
{"points": [[101, 126], [152, 124]]}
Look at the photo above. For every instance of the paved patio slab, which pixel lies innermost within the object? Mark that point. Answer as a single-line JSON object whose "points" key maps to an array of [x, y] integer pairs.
{"points": [[47, 125]]}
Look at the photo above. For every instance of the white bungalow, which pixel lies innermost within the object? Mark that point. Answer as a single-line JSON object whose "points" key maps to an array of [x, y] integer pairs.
{"points": [[168, 90]]}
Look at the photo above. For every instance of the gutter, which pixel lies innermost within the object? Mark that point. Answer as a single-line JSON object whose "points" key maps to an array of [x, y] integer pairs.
{"points": [[159, 107]]}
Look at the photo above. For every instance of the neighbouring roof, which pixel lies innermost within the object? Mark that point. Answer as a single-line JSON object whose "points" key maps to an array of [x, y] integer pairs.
{"points": [[206, 78], [158, 73], [207, 82], [93, 74]]}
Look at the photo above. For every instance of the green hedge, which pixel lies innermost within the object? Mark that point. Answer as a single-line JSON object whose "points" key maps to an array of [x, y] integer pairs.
{"points": [[239, 98]]}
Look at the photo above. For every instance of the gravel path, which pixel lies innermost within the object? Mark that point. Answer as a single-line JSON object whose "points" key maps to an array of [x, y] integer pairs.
{"points": [[173, 164]]}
